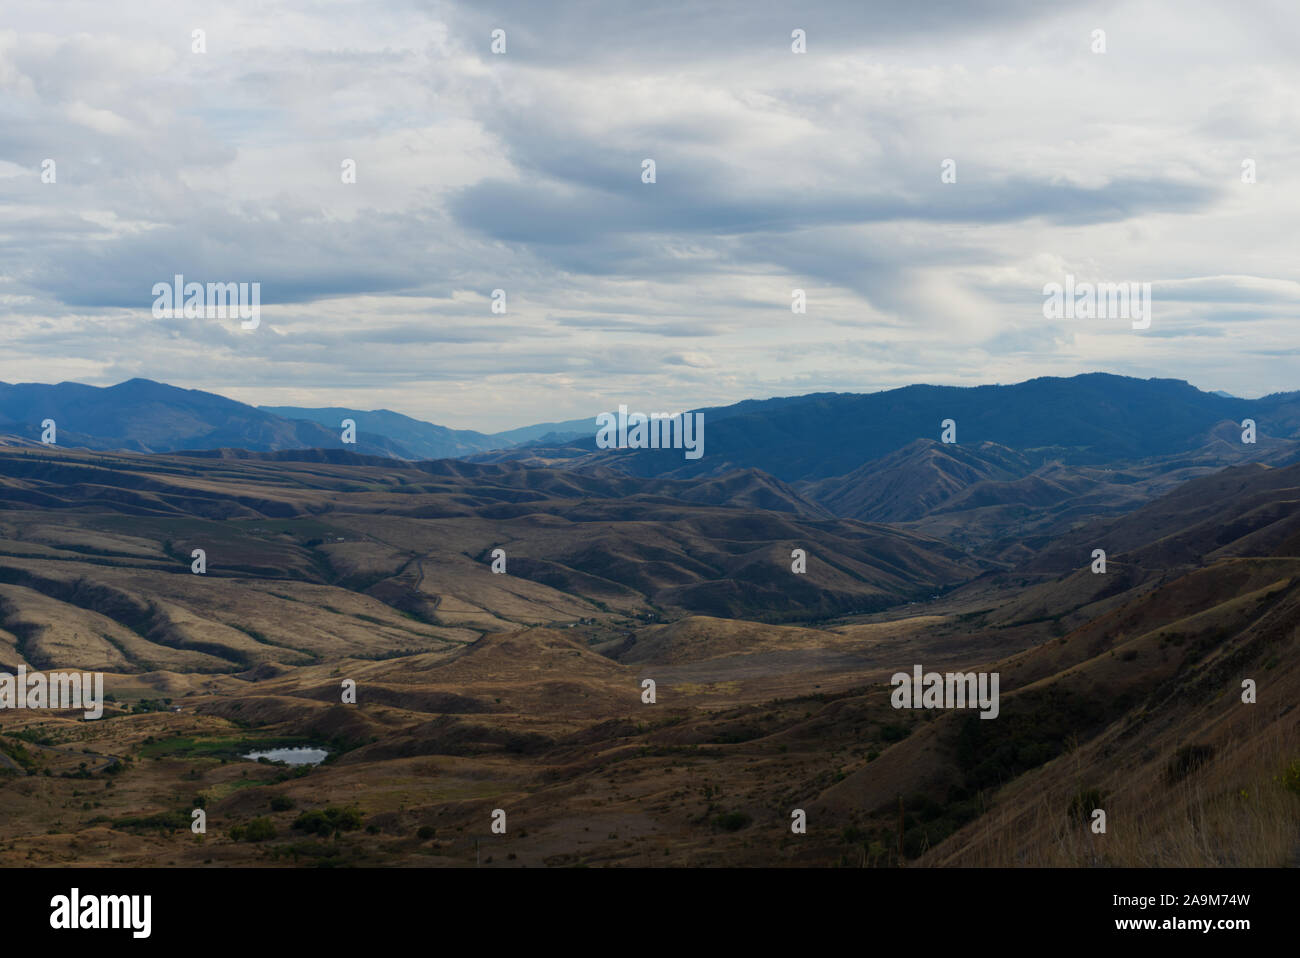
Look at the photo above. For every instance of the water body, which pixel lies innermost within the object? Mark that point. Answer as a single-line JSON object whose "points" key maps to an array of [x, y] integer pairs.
{"points": [[291, 756]]}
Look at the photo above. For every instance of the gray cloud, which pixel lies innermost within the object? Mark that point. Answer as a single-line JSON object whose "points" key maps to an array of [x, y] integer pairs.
{"points": [[775, 171]]}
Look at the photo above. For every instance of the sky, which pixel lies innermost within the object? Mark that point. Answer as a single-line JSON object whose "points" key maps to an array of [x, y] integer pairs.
{"points": [[523, 171]]}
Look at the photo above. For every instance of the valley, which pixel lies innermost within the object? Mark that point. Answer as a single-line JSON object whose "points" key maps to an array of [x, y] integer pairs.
{"points": [[522, 691]]}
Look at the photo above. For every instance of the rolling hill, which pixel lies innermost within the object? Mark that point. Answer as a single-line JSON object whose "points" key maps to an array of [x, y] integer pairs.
{"points": [[523, 690]]}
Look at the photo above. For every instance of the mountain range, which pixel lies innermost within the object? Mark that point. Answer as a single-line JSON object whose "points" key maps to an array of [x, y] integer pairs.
{"points": [[1030, 459], [141, 415], [418, 439], [1086, 419]]}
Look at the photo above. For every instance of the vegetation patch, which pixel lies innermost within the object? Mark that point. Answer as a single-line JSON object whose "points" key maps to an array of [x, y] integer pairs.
{"points": [[1187, 760], [329, 821], [1084, 802], [172, 821], [258, 830], [732, 821], [1033, 728]]}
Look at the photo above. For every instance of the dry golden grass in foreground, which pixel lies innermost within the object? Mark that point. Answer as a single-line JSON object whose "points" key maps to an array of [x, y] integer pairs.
{"points": [[1239, 807]]}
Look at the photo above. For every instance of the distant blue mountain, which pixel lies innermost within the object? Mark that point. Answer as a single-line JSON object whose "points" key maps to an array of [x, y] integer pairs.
{"points": [[426, 440], [1088, 419], [1091, 418], [546, 432], [147, 416], [422, 440]]}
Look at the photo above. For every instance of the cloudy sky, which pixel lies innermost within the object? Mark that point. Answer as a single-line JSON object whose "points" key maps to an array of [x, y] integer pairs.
{"points": [[522, 171]]}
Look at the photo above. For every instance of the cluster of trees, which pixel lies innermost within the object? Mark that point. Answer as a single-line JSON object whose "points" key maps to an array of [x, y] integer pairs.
{"points": [[329, 821]]}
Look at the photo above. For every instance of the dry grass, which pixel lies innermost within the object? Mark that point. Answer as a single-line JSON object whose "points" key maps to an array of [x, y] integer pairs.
{"points": [[1234, 811]]}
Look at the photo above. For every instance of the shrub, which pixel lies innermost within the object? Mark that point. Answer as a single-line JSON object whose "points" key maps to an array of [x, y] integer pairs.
{"points": [[1187, 760], [281, 803], [328, 821], [919, 838], [162, 821], [852, 835], [426, 832], [731, 821], [1033, 729], [1084, 802], [259, 830]]}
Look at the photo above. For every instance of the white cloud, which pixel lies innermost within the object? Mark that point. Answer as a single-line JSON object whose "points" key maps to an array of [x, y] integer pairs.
{"points": [[522, 172]]}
